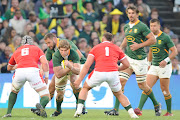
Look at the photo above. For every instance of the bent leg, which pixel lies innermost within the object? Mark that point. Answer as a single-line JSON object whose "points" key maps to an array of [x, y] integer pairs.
{"points": [[52, 87], [150, 80]]}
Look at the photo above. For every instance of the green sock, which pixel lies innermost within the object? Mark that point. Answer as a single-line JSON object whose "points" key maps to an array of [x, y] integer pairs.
{"points": [[11, 101], [142, 100], [128, 107], [117, 103], [81, 101], [44, 101], [168, 100], [58, 105], [152, 97], [76, 94]]}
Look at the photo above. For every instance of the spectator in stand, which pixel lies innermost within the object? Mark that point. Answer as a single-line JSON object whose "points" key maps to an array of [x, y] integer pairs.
{"points": [[18, 22], [48, 3], [33, 19], [93, 36], [74, 16], [4, 6], [89, 13], [2, 47], [144, 5], [98, 5], [176, 6], [9, 14], [79, 25], [5, 26], [15, 43], [113, 25], [33, 36], [167, 30], [68, 7], [4, 59], [175, 39], [154, 15], [27, 6], [175, 66], [178, 49], [1, 26], [87, 31], [120, 37], [97, 29], [28, 27], [39, 4], [108, 7], [69, 35], [95, 42], [123, 4], [103, 24], [43, 31], [9, 35], [143, 14], [82, 45], [74, 32]]}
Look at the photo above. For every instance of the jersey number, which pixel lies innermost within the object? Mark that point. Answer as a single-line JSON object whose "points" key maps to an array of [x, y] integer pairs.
{"points": [[25, 51], [107, 51]]}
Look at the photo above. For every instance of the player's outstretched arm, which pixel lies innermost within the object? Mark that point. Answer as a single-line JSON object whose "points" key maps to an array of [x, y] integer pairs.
{"points": [[45, 67], [125, 64], [84, 71]]}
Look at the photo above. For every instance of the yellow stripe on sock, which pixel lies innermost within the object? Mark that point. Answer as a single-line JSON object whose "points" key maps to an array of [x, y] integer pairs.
{"points": [[168, 97], [149, 92], [144, 93]]}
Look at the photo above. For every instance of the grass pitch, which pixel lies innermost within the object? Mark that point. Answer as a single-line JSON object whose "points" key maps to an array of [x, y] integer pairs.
{"points": [[93, 114]]}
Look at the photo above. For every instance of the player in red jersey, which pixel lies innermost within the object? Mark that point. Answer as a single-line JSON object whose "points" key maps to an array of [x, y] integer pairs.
{"points": [[106, 56], [26, 58]]}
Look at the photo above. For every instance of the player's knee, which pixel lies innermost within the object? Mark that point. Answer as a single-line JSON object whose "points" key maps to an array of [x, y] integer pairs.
{"points": [[142, 86], [43, 92], [60, 95], [14, 89], [141, 81]]}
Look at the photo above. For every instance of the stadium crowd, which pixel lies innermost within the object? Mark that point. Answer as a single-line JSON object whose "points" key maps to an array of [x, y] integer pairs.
{"points": [[83, 22]]}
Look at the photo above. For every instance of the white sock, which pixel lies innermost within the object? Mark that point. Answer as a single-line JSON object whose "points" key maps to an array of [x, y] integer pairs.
{"points": [[80, 108]]}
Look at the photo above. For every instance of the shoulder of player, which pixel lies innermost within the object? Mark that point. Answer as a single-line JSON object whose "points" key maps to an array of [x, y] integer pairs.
{"points": [[56, 54], [165, 36]]}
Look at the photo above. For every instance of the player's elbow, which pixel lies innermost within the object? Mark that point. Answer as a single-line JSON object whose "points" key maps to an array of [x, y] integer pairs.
{"points": [[9, 68], [126, 65]]}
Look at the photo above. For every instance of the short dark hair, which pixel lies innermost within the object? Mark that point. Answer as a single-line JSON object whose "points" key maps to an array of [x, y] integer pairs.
{"points": [[43, 24], [155, 20], [49, 35], [134, 8], [108, 36]]}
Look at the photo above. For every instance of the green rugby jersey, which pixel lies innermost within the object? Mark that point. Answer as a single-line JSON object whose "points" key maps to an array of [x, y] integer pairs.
{"points": [[137, 34], [49, 53], [57, 58], [160, 50]]}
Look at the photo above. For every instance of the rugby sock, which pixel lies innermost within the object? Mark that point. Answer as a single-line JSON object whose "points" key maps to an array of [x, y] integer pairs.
{"points": [[76, 93], [117, 103], [81, 101], [11, 101], [128, 107], [142, 100], [168, 100], [44, 101], [152, 97], [58, 105]]}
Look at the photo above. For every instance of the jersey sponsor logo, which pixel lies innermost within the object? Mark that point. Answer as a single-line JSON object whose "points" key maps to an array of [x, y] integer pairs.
{"points": [[130, 38], [159, 42], [155, 50], [135, 30]]}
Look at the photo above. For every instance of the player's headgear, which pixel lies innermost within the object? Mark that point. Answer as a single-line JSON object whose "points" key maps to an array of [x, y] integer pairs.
{"points": [[27, 40]]}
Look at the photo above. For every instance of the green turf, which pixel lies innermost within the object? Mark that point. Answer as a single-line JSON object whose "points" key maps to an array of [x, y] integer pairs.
{"points": [[98, 114]]}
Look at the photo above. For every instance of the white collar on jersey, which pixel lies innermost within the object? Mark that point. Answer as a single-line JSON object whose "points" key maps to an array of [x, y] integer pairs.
{"points": [[131, 25], [106, 41]]}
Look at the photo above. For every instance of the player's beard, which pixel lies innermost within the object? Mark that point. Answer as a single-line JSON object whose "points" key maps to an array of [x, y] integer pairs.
{"points": [[54, 45]]}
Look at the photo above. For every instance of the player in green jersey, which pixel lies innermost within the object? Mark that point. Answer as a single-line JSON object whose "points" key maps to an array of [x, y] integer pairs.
{"points": [[52, 42], [137, 36], [161, 67], [66, 65]]}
